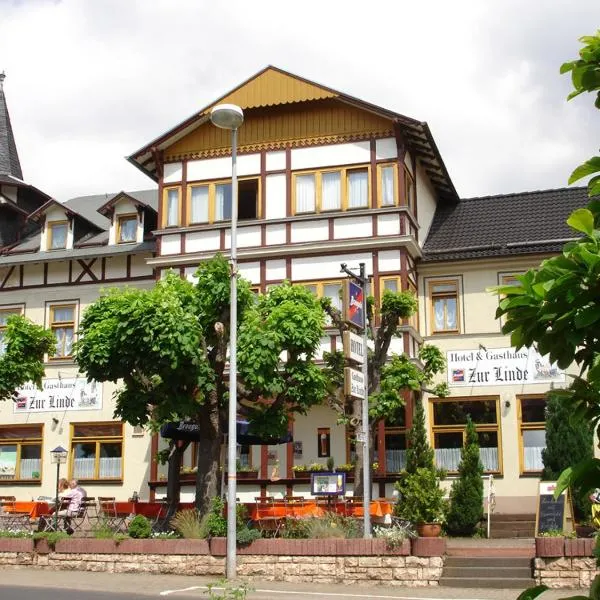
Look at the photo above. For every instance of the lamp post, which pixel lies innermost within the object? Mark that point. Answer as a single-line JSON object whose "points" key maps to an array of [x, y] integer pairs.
{"points": [[58, 456], [230, 116]]}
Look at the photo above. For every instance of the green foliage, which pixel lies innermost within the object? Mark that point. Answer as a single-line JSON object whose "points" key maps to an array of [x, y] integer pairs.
{"points": [[51, 537], [245, 535], [395, 535], [400, 305], [214, 522], [188, 524], [23, 359], [421, 497], [419, 455], [226, 590], [102, 530], [568, 442], [585, 76], [140, 527], [329, 526], [466, 494]]}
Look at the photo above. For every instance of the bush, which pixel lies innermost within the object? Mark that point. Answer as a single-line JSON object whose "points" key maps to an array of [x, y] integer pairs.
{"points": [[466, 494], [422, 499], [188, 524], [330, 525], [419, 453], [140, 527]]}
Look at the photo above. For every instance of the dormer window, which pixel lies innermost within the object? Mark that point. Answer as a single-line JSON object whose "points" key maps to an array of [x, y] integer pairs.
{"points": [[57, 235], [127, 228]]}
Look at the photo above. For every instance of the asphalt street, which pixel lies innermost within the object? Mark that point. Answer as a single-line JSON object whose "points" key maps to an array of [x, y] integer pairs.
{"points": [[33, 584]]}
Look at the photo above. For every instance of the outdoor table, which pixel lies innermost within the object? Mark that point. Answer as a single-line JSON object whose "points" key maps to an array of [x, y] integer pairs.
{"points": [[150, 510], [35, 508]]}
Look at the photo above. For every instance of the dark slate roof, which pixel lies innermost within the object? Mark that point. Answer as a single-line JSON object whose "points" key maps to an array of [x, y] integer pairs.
{"points": [[505, 225], [9, 158]]}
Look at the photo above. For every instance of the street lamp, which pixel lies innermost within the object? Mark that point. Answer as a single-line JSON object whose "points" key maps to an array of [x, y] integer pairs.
{"points": [[230, 116], [58, 456]]}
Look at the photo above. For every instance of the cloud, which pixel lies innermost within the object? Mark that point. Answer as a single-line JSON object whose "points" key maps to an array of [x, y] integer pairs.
{"points": [[88, 82]]}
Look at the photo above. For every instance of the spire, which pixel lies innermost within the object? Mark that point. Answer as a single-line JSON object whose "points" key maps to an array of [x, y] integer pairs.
{"points": [[9, 158]]}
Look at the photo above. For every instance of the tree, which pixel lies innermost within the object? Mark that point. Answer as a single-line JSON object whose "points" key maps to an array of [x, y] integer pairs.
{"points": [[390, 376], [557, 306], [466, 493], [419, 454], [168, 346], [25, 345], [567, 443]]}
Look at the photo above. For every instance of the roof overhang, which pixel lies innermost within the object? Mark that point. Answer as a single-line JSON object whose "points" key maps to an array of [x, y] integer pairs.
{"points": [[107, 208]]}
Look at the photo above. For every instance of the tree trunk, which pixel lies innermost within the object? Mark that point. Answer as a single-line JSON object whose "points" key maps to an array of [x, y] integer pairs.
{"points": [[173, 482], [208, 480]]}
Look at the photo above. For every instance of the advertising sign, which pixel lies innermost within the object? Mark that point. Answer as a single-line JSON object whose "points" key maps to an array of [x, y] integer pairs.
{"points": [[353, 347], [328, 484], [353, 303], [354, 383], [500, 366], [58, 395]]}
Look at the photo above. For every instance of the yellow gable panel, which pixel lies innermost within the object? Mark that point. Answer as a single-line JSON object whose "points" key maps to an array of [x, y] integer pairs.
{"points": [[323, 121], [273, 87]]}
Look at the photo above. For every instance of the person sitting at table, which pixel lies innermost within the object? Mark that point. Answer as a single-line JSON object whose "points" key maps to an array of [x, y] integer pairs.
{"points": [[75, 495], [63, 486]]}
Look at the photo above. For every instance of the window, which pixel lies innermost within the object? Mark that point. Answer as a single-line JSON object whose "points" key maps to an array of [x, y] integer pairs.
{"points": [[211, 202], [329, 190], [409, 190], [395, 449], [449, 418], [62, 324], [243, 456], [97, 450], [57, 235], [20, 452], [5, 313], [171, 207], [127, 228], [443, 296], [388, 195], [327, 289], [532, 419]]}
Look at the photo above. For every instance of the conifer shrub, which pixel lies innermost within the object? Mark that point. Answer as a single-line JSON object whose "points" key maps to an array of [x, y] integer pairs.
{"points": [[419, 453], [140, 527], [466, 494]]}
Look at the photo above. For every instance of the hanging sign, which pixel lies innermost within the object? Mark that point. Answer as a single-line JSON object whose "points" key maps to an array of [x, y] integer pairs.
{"points": [[59, 395], [353, 303], [354, 383], [500, 366], [353, 347]]}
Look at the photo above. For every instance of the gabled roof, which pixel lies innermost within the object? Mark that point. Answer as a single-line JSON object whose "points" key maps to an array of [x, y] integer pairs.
{"points": [[9, 158], [68, 208], [509, 224], [273, 87], [145, 198]]}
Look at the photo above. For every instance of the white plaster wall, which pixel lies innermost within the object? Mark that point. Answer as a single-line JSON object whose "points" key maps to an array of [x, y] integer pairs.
{"points": [[330, 155], [388, 224], [250, 271], [389, 260], [199, 241], [139, 268], [275, 234], [170, 244], [220, 168], [247, 237], [352, 227], [275, 193], [328, 267], [58, 272], [116, 266], [386, 148], [275, 269], [276, 161], [33, 274], [426, 203], [309, 231], [324, 346], [173, 172]]}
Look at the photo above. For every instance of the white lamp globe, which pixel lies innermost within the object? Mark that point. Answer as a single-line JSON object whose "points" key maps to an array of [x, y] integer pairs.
{"points": [[227, 116]]}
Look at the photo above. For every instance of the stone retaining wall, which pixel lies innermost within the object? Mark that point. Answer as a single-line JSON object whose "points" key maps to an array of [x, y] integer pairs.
{"points": [[564, 563], [337, 562]]}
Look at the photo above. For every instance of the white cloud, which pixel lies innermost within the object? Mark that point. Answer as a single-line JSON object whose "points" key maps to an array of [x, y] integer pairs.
{"points": [[90, 81]]}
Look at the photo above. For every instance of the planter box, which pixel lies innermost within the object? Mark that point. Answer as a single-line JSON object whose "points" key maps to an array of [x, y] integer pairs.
{"points": [[147, 546], [428, 546], [579, 547], [247, 475], [16, 545], [549, 547]]}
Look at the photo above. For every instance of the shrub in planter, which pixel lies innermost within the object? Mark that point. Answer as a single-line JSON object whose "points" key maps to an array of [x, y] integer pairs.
{"points": [[140, 527], [300, 470]]}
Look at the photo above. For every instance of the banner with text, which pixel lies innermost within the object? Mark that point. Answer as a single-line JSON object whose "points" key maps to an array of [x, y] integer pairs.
{"points": [[58, 395], [500, 366]]}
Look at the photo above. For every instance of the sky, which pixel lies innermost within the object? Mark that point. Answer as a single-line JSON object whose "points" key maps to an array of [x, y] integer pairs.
{"points": [[88, 82]]}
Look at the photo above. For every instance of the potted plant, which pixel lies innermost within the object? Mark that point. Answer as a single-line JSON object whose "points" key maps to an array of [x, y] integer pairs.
{"points": [[317, 468], [299, 471], [246, 471], [422, 501], [345, 468]]}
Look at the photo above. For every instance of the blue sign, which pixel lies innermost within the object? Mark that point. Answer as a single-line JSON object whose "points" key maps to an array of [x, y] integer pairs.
{"points": [[353, 304]]}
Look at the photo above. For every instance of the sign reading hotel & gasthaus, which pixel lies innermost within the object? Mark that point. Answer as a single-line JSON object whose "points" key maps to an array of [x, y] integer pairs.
{"points": [[500, 366], [59, 395]]}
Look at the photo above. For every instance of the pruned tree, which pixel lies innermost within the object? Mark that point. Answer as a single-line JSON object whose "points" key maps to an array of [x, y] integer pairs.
{"points": [[419, 454], [22, 360], [168, 346]]}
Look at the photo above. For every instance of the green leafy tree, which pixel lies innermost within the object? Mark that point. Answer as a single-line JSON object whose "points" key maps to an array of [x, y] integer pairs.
{"points": [[567, 443], [419, 454], [391, 376], [168, 346], [22, 360], [466, 494]]}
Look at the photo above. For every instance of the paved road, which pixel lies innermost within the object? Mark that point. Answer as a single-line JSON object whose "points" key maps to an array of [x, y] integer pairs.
{"points": [[32, 584]]}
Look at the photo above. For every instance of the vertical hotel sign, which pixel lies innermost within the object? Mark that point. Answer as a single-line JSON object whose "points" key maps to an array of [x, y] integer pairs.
{"points": [[353, 304]]}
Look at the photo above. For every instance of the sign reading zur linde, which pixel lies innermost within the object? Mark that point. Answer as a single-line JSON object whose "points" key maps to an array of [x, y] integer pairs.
{"points": [[500, 366], [59, 395]]}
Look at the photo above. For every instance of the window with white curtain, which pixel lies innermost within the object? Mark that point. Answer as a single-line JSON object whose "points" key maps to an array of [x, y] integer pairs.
{"points": [[443, 297], [97, 450], [532, 417], [449, 427], [305, 193], [57, 235], [331, 191], [199, 204], [223, 202], [358, 188], [171, 217], [388, 187], [62, 324], [20, 452], [127, 228]]}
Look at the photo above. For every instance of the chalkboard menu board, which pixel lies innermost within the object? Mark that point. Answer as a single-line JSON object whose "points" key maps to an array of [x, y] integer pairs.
{"points": [[551, 514]]}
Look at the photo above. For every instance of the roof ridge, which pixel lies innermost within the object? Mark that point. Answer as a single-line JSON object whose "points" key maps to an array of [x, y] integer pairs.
{"points": [[525, 193]]}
